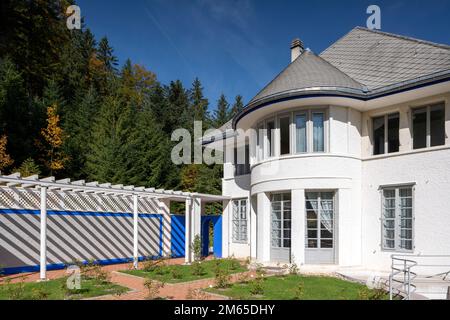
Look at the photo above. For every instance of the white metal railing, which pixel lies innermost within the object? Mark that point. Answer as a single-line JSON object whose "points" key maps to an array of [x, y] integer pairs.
{"points": [[402, 275], [409, 272]]}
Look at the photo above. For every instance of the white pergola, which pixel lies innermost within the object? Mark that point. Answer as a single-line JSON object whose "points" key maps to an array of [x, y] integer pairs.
{"points": [[193, 203]]}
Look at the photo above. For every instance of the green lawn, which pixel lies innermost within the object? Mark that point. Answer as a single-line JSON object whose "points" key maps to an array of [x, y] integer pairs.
{"points": [[292, 287], [56, 290], [184, 273]]}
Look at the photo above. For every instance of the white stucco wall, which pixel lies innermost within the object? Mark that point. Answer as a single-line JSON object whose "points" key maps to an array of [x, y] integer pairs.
{"points": [[430, 171]]}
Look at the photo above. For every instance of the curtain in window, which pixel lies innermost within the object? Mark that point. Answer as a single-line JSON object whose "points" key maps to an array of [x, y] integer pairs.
{"points": [[300, 128], [326, 214], [318, 132]]}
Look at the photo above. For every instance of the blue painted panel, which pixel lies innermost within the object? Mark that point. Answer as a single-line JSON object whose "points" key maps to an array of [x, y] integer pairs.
{"points": [[177, 233], [218, 238], [217, 235]]}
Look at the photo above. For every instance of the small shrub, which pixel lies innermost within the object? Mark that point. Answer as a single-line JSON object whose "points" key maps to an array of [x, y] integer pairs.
{"points": [[176, 273], [196, 247], [39, 294], [299, 291], [243, 278], [259, 269], [194, 294], [256, 286], [15, 291], [197, 268], [293, 268], [93, 270], [157, 266], [217, 266], [234, 264], [222, 279], [153, 288]]}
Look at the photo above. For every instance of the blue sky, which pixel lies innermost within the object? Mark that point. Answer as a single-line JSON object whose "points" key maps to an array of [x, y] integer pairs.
{"points": [[238, 46]]}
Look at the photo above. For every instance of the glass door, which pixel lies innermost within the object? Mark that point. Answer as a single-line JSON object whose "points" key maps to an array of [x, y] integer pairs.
{"points": [[320, 228], [281, 227]]}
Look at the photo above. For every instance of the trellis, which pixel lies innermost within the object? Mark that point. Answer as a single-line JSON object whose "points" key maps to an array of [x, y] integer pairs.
{"points": [[46, 194]]}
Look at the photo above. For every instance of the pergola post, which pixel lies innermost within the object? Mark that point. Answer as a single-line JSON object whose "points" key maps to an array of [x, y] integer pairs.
{"points": [[188, 226], [135, 231], [43, 234]]}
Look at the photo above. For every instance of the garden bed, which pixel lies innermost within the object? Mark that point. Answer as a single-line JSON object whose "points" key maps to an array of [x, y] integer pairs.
{"points": [[298, 287], [57, 290], [184, 273]]}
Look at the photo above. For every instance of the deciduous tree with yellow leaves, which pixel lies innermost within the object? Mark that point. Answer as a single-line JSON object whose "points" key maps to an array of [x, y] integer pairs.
{"points": [[5, 159], [53, 136]]}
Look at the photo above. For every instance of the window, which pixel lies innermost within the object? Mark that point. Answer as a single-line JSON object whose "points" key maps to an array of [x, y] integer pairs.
{"points": [[319, 220], [270, 138], [428, 126], [397, 218], [281, 220], [259, 142], [386, 133], [295, 132], [284, 135], [300, 132], [378, 135], [239, 220], [318, 132], [242, 168]]}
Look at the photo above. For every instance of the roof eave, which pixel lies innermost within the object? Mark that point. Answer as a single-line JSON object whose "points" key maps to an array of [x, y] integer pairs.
{"points": [[345, 92]]}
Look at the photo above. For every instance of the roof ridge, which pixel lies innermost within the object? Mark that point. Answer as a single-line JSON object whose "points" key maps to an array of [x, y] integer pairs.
{"points": [[276, 77], [439, 45], [341, 71]]}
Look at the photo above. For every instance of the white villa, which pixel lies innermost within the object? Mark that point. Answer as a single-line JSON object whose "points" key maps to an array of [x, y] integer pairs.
{"points": [[351, 162]]}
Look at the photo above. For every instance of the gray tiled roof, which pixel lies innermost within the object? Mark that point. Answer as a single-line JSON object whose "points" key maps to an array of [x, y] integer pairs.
{"points": [[307, 71], [379, 59], [362, 61]]}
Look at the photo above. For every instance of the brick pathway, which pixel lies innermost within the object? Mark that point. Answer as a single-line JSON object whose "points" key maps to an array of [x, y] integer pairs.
{"points": [[179, 291]]}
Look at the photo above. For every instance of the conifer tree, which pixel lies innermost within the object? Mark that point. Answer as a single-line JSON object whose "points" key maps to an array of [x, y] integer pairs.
{"points": [[199, 103], [222, 112], [109, 159], [238, 105]]}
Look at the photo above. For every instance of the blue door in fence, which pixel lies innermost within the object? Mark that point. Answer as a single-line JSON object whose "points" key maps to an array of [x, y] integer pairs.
{"points": [[214, 223], [177, 235]]}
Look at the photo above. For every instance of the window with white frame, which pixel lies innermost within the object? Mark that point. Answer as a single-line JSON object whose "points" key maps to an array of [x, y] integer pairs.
{"points": [[298, 132], [386, 133], [397, 218], [428, 126], [239, 221]]}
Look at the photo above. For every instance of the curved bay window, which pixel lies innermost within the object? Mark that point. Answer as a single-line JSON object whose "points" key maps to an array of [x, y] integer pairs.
{"points": [[294, 132]]}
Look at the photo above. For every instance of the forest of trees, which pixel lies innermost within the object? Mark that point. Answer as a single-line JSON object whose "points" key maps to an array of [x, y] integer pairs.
{"points": [[67, 109]]}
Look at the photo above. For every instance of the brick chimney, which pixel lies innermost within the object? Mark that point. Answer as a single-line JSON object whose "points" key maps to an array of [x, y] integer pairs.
{"points": [[296, 49]]}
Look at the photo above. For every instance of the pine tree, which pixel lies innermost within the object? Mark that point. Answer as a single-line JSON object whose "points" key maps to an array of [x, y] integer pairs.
{"points": [[78, 125], [177, 107], [28, 168], [238, 105], [199, 103], [17, 120], [222, 113], [151, 154], [109, 158], [105, 53]]}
